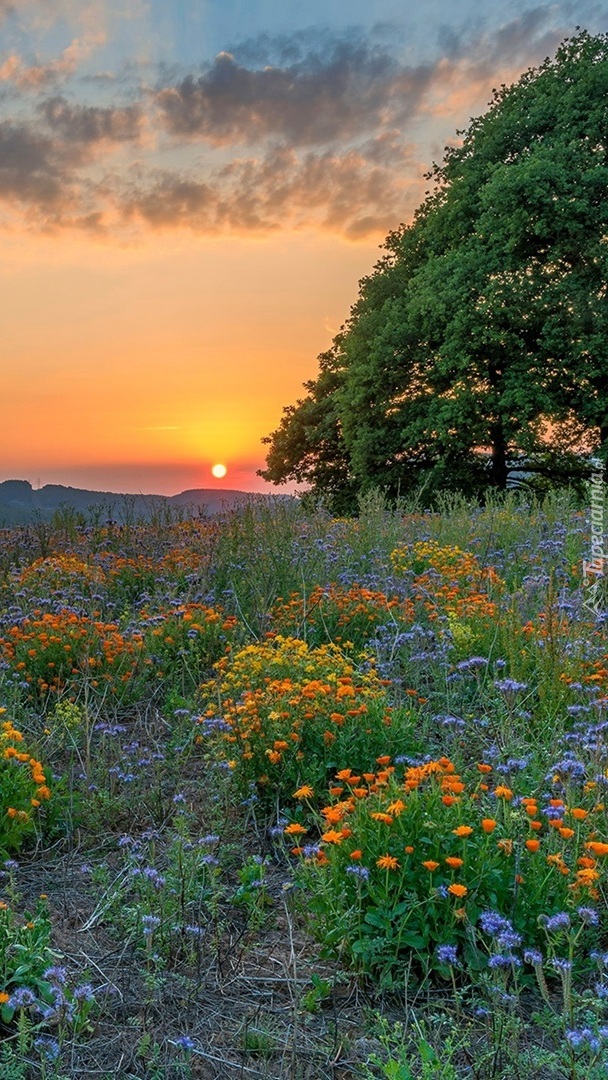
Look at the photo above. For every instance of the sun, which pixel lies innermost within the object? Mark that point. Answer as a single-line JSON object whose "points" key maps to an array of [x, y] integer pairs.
{"points": [[219, 471]]}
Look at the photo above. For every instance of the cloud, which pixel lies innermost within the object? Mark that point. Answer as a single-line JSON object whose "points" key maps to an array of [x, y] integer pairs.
{"points": [[340, 192], [34, 76], [90, 124], [331, 94], [288, 132]]}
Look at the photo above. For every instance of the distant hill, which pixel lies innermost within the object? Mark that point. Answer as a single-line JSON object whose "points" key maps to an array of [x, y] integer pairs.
{"points": [[21, 504]]}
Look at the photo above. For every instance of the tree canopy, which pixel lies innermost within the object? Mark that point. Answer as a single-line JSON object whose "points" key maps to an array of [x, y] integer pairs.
{"points": [[479, 343]]}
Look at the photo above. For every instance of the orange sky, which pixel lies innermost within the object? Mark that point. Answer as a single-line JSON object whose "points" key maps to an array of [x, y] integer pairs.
{"points": [[189, 195], [150, 364]]}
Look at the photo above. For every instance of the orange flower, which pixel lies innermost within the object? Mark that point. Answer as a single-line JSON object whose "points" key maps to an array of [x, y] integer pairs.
{"points": [[387, 862], [457, 890], [586, 862], [536, 825], [379, 816], [332, 837], [532, 845], [396, 808], [449, 800], [578, 813], [4, 998], [430, 865], [585, 878], [454, 862], [295, 829], [304, 792], [484, 768], [597, 848], [503, 792], [409, 850], [506, 846], [566, 833], [488, 824], [356, 854], [384, 760], [463, 830]]}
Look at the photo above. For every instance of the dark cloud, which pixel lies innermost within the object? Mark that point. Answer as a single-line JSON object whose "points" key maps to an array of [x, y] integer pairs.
{"points": [[29, 171], [90, 124], [330, 94]]}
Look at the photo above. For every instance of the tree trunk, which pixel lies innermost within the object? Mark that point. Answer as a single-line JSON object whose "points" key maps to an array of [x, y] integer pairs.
{"points": [[499, 471]]}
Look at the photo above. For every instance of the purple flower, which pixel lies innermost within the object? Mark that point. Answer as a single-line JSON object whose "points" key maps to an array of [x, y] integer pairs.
{"points": [[447, 954], [360, 872], [561, 921], [49, 1047], [56, 974], [533, 956], [492, 922], [153, 875], [588, 915], [150, 923], [560, 964], [21, 998], [509, 939], [510, 686], [503, 960], [185, 1042]]}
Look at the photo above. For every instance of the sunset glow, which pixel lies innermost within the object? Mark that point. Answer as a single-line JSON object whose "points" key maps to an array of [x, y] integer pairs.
{"points": [[189, 195]]}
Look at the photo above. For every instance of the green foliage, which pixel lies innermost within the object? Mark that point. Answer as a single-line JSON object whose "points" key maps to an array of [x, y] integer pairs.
{"points": [[477, 345], [408, 865]]}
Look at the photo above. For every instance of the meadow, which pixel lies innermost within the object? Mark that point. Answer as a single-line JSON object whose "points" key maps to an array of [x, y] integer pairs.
{"points": [[290, 796]]}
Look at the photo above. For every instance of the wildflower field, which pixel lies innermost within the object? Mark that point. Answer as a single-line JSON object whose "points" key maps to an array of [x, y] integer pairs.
{"points": [[284, 795]]}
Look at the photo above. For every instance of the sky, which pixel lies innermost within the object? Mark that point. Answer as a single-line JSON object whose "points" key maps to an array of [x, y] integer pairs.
{"points": [[190, 192]]}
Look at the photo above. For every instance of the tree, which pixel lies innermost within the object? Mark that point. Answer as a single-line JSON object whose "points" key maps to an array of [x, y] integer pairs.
{"points": [[480, 340]]}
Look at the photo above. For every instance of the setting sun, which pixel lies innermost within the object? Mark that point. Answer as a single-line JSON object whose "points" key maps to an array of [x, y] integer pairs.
{"points": [[219, 471]]}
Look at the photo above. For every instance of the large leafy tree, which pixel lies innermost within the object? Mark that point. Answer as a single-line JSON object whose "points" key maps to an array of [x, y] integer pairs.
{"points": [[480, 340]]}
